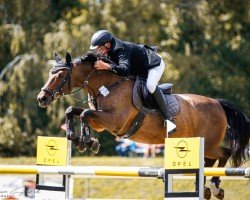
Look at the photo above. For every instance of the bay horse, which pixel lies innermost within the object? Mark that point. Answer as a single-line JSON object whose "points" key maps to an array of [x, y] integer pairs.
{"points": [[114, 110]]}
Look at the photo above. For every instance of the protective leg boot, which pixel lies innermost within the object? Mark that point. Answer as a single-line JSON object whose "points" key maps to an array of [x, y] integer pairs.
{"points": [[159, 97]]}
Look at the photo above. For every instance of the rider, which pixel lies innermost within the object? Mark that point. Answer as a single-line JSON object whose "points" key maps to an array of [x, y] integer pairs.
{"points": [[131, 59]]}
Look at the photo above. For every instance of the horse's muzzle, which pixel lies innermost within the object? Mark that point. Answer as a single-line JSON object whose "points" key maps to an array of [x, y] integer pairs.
{"points": [[43, 99]]}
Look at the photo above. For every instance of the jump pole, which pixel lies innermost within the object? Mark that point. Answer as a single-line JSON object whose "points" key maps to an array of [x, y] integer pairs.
{"points": [[113, 171]]}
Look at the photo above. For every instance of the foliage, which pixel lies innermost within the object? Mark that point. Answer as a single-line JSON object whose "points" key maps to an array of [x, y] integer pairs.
{"points": [[204, 43]]}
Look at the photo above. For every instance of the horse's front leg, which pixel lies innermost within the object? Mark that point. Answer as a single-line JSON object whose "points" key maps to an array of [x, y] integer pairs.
{"points": [[104, 119], [86, 141], [70, 113]]}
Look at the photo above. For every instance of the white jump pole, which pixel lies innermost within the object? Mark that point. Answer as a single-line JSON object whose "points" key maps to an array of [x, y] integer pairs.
{"points": [[113, 171]]}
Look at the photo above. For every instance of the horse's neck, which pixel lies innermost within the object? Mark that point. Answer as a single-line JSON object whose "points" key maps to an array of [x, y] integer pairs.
{"points": [[108, 77], [103, 78], [96, 79]]}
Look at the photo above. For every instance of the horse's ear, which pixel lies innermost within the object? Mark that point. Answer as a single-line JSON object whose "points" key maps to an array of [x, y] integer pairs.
{"points": [[57, 58], [68, 58]]}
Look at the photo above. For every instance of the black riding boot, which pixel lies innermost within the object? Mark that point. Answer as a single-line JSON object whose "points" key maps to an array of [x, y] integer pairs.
{"points": [[159, 97]]}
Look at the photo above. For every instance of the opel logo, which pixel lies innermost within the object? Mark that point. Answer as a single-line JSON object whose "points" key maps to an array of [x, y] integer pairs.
{"points": [[182, 149], [51, 147]]}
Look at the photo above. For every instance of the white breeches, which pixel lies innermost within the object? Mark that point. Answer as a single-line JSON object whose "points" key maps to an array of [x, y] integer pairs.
{"points": [[154, 75]]}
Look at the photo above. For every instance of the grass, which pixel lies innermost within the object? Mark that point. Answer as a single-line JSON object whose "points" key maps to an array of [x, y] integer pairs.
{"points": [[134, 188]]}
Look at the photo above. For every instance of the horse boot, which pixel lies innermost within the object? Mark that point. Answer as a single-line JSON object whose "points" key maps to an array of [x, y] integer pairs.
{"points": [[216, 190], [84, 138], [93, 145], [81, 146], [70, 130], [88, 142], [160, 99]]}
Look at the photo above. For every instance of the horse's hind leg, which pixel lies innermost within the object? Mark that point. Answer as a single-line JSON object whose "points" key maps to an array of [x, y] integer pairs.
{"points": [[215, 181], [208, 163]]}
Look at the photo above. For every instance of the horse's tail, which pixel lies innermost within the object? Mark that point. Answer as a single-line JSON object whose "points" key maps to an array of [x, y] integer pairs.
{"points": [[239, 130]]}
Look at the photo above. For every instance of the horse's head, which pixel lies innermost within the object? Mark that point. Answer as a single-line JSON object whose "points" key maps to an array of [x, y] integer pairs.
{"points": [[59, 81]]}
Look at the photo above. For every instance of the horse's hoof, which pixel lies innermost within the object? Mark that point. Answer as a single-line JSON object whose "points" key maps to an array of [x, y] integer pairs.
{"points": [[81, 147], [71, 135], [94, 145], [207, 193], [220, 195]]}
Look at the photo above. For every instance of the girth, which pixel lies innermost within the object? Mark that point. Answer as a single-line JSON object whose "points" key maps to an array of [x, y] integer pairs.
{"points": [[135, 125]]}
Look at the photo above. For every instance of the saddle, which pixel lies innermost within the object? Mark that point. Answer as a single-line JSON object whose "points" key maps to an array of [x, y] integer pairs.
{"points": [[143, 99]]}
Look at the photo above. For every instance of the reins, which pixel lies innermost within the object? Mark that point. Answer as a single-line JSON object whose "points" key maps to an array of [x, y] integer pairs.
{"points": [[56, 91], [86, 82]]}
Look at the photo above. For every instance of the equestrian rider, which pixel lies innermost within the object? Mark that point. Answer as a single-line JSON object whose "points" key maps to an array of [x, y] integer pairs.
{"points": [[131, 59]]}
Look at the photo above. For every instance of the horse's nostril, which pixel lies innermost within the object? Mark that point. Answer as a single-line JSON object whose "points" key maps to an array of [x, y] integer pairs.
{"points": [[42, 99]]}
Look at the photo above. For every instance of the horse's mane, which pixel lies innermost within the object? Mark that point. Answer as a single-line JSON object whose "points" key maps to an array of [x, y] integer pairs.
{"points": [[90, 56]]}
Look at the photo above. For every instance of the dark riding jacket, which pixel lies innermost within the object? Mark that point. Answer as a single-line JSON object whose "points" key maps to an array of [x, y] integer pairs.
{"points": [[132, 59]]}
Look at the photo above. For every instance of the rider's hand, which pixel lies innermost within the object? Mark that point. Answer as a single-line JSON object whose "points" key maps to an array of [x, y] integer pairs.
{"points": [[99, 65]]}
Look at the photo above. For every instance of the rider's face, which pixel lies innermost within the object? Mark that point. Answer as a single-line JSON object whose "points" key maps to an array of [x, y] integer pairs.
{"points": [[103, 50]]}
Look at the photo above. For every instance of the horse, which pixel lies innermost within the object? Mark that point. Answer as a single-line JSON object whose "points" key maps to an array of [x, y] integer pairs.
{"points": [[111, 107]]}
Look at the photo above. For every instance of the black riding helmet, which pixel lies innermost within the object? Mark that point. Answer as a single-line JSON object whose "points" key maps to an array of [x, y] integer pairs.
{"points": [[101, 37]]}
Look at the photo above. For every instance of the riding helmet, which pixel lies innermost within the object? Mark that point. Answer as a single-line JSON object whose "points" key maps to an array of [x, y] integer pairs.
{"points": [[101, 37]]}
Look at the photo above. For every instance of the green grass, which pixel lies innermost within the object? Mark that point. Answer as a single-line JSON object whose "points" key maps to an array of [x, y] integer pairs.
{"points": [[134, 188]]}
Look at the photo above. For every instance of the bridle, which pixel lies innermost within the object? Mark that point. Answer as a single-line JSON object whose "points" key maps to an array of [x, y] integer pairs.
{"points": [[69, 67], [55, 93]]}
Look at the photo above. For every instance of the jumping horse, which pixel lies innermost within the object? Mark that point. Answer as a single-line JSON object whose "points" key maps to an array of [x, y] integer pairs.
{"points": [[112, 108]]}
